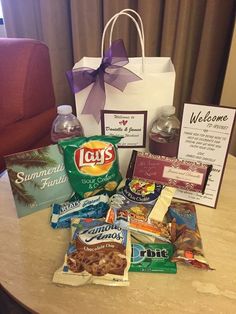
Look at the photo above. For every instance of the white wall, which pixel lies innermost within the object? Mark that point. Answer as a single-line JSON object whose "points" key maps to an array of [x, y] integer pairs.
{"points": [[2, 31], [228, 97]]}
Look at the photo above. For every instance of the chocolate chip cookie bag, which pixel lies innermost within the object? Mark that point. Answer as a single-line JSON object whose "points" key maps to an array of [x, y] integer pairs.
{"points": [[92, 164], [140, 206], [98, 253], [186, 235]]}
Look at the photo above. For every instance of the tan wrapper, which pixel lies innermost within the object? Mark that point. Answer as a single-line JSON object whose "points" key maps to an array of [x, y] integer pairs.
{"points": [[160, 208]]}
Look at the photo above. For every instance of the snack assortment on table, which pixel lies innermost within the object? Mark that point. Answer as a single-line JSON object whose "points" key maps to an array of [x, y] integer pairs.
{"points": [[120, 226], [136, 207]]}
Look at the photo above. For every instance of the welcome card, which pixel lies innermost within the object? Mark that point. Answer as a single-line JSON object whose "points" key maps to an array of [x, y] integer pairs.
{"points": [[205, 137], [131, 125]]}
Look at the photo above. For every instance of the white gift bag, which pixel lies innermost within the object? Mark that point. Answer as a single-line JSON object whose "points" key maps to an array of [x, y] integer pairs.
{"points": [[154, 90]]}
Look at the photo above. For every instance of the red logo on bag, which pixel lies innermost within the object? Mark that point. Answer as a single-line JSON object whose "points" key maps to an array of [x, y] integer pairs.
{"points": [[95, 157]]}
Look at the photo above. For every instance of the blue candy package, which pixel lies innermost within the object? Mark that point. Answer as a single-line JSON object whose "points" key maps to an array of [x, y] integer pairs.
{"points": [[183, 213], [92, 207]]}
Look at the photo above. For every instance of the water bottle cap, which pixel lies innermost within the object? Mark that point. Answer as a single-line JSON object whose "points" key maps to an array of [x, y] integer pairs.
{"points": [[168, 110], [64, 109]]}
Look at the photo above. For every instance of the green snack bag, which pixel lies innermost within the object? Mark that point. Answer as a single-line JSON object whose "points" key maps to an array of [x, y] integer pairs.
{"points": [[152, 258], [92, 164]]}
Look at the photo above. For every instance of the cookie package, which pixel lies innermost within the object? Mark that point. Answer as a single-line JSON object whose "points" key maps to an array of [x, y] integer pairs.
{"points": [[92, 164], [98, 253]]}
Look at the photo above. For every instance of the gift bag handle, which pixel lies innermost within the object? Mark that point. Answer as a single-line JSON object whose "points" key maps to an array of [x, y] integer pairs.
{"points": [[141, 26], [113, 19], [141, 33]]}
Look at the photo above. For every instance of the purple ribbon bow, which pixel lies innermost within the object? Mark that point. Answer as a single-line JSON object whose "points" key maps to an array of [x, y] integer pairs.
{"points": [[111, 71]]}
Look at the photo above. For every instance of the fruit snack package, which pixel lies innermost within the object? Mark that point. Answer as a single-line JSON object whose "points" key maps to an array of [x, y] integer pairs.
{"points": [[186, 236]]}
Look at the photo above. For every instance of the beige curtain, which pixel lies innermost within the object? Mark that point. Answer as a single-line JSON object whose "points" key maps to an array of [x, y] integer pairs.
{"points": [[196, 34]]}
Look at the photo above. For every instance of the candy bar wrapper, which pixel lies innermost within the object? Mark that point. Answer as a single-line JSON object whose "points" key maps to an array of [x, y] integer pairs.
{"points": [[185, 235], [121, 219], [185, 175], [152, 257], [92, 207], [98, 253]]}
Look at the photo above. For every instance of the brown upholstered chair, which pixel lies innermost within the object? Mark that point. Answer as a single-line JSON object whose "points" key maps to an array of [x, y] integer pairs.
{"points": [[27, 102]]}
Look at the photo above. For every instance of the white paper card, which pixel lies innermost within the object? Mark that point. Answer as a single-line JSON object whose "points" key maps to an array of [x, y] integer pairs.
{"points": [[205, 135], [131, 125]]}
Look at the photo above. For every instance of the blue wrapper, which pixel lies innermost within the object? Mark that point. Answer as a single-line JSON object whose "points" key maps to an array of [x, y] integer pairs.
{"points": [[184, 214], [92, 207]]}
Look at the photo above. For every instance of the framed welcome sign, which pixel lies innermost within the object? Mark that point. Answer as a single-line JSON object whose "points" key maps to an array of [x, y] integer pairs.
{"points": [[205, 137], [131, 125]]}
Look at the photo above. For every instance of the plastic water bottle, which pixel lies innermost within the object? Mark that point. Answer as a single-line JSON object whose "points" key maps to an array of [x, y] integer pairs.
{"points": [[65, 125], [164, 133]]}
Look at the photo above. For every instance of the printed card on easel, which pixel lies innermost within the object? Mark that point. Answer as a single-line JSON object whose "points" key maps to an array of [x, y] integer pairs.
{"points": [[205, 137]]}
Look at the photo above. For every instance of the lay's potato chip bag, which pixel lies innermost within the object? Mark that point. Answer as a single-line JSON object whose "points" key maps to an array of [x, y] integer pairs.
{"points": [[92, 164]]}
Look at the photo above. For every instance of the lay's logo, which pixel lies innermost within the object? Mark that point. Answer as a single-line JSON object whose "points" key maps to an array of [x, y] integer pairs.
{"points": [[95, 157]]}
